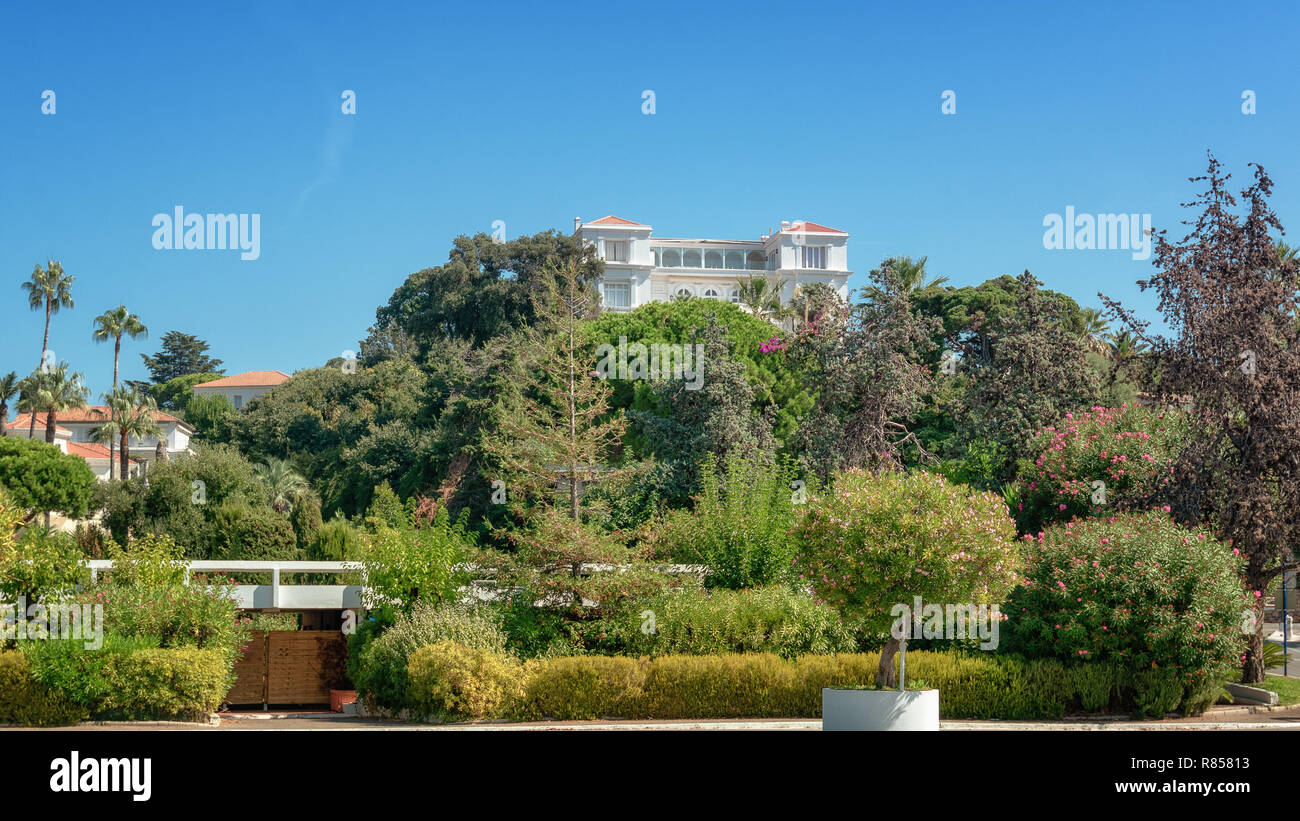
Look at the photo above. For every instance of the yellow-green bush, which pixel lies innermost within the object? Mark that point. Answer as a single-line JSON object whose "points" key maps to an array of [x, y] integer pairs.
{"points": [[583, 687], [451, 680], [24, 701], [178, 682]]}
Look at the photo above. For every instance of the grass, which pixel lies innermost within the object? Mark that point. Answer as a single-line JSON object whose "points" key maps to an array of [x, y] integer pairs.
{"points": [[1287, 689]]}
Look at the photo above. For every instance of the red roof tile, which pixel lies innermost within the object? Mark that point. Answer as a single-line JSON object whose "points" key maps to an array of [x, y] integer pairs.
{"points": [[613, 220], [91, 450], [23, 420], [100, 413], [813, 228], [248, 379]]}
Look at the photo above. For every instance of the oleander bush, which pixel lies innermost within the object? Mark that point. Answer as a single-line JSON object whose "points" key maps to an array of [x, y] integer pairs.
{"points": [[452, 681], [380, 672], [692, 621], [1137, 590], [1099, 462]]}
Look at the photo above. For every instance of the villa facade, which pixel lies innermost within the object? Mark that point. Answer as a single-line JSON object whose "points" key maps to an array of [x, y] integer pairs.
{"points": [[641, 268]]}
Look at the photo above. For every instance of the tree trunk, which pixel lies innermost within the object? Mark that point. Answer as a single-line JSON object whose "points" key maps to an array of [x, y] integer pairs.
{"points": [[125, 456], [49, 427], [886, 678]]}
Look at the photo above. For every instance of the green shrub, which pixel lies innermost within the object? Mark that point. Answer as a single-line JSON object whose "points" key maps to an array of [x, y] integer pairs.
{"points": [[415, 562], [174, 615], [42, 564], [25, 701], [1156, 693], [380, 674], [757, 685], [765, 620], [70, 670], [258, 533], [542, 632], [740, 526], [182, 682], [1137, 590], [450, 680], [1095, 683], [583, 687]]}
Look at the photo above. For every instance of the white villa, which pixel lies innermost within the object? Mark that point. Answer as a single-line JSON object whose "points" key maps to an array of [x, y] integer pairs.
{"points": [[640, 268], [74, 432], [242, 387]]}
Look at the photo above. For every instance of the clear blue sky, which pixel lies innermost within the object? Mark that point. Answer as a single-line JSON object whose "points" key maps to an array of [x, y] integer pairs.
{"points": [[531, 113]]}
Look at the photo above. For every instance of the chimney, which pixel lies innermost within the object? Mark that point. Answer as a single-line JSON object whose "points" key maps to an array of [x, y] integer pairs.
{"points": [[577, 223], [785, 225]]}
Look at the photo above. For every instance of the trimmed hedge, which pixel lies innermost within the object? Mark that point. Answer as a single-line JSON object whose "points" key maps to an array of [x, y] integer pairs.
{"points": [[24, 701], [123, 680], [450, 680], [763, 685], [181, 682]]}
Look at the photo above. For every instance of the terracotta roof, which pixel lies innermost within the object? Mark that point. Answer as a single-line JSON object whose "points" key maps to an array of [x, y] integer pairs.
{"points": [[100, 413], [248, 379], [23, 420], [613, 220], [813, 228], [91, 450]]}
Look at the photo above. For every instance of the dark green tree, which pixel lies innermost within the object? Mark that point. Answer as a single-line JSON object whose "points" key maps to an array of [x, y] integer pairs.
{"points": [[181, 355]]}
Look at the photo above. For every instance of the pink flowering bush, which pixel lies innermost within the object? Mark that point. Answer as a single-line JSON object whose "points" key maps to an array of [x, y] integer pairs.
{"points": [[1129, 451], [1138, 591], [870, 542]]}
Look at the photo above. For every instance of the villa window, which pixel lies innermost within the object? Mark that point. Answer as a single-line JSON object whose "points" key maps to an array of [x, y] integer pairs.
{"points": [[616, 250], [239, 401], [735, 296], [683, 292], [618, 295], [712, 293], [713, 259], [672, 258], [735, 260], [755, 261], [814, 256], [691, 259]]}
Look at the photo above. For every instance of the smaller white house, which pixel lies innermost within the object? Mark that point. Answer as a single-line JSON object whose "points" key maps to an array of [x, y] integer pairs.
{"points": [[242, 388], [65, 439]]}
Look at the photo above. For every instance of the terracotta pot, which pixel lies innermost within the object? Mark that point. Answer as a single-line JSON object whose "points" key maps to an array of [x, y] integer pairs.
{"points": [[340, 697]]}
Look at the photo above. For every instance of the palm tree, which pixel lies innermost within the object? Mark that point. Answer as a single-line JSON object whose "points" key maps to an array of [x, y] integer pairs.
{"points": [[133, 414], [813, 299], [49, 288], [911, 276], [119, 402], [52, 392], [113, 325], [284, 484], [1093, 330], [1286, 252], [1124, 345], [762, 297], [10, 384]]}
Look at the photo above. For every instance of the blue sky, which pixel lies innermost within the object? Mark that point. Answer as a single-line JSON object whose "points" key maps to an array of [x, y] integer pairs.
{"points": [[531, 113]]}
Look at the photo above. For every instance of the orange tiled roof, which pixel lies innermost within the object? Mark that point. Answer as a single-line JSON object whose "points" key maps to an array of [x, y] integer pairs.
{"points": [[613, 220], [100, 413], [813, 228], [91, 450], [248, 379], [23, 421]]}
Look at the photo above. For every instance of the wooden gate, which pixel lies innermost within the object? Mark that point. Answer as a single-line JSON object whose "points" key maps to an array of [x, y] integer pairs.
{"points": [[289, 667]]}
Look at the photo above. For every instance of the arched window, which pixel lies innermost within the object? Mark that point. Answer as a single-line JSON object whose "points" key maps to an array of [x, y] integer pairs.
{"points": [[755, 261], [735, 296], [672, 258], [683, 292], [735, 260], [691, 259], [712, 293], [712, 259]]}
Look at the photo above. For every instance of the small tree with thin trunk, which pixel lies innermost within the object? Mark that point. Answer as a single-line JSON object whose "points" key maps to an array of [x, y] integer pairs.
{"points": [[872, 542], [1229, 296], [49, 289]]}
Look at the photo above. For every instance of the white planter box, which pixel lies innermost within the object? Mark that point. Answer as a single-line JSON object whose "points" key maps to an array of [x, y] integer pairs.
{"points": [[880, 709]]}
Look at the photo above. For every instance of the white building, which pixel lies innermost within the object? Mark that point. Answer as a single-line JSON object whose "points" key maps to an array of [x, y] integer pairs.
{"points": [[242, 388], [640, 268], [68, 441]]}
